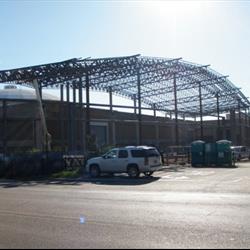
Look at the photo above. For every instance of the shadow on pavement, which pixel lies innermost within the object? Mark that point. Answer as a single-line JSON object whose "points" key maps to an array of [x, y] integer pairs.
{"points": [[118, 180], [103, 180], [122, 180], [215, 167], [33, 183]]}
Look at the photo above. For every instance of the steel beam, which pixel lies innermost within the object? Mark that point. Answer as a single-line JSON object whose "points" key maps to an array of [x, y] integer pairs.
{"points": [[154, 109], [62, 115], [81, 137], [248, 120], [5, 126], [111, 115], [69, 120], [74, 93], [176, 113], [201, 112], [110, 99], [74, 126], [135, 104], [218, 117], [139, 107], [120, 73], [239, 122], [87, 114]]}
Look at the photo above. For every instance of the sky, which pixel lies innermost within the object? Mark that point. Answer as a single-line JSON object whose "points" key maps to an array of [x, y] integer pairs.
{"points": [[204, 32]]}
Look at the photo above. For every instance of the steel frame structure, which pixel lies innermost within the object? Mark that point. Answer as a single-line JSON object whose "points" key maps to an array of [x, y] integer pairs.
{"points": [[159, 84]]}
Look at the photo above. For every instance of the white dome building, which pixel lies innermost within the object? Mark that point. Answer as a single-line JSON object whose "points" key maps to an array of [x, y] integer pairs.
{"points": [[12, 92], [20, 118]]}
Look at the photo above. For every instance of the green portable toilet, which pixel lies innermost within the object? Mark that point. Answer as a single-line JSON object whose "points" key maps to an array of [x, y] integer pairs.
{"points": [[211, 154], [224, 153], [197, 153]]}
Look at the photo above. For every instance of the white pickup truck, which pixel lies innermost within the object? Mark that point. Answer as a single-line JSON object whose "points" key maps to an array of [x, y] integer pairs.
{"points": [[240, 152], [132, 160]]}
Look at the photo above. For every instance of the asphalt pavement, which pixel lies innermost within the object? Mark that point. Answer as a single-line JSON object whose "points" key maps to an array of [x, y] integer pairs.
{"points": [[179, 207]]}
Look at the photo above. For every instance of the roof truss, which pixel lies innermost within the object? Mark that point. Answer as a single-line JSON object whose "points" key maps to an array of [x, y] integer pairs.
{"points": [[157, 75]]}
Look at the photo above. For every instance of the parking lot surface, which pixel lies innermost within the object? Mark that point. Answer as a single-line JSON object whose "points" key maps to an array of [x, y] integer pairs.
{"points": [[179, 207]]}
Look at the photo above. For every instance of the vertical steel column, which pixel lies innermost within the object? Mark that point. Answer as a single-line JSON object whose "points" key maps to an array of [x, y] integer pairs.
{"points": [[245, 129], [110, 99], [69, 117], [201, 112], [139, 106], [81, 137], [40, 89], [156, 127], [233, 126], [62, 93], [218, 117], [74, 127], [135, 110], [136, 123], [176, 113], [4, 127], [154, 107], [74, 92], [247, 125], [62, 117], [111, 114], [245, 117], [67, 93], [87, 120], [248, 117], [240, 128]]}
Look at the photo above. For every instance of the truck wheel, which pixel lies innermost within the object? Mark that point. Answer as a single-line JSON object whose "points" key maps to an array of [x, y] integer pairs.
{"points": [[148, 173], [95, 171], [133, 172]]}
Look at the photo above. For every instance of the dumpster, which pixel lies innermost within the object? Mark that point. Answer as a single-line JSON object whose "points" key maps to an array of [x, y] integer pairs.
{"points": [[211, 154], [225, 155], [198, 153]]}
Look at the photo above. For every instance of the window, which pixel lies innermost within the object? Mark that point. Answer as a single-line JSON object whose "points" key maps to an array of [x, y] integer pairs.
{"points": [[112, 154], [123, 154], [100, 134], [145, 153], [138, 153], [152, 153], [243, 149]]}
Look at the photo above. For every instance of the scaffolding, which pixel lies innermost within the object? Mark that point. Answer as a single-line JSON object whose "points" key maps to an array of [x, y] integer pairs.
{"points": [[169, 85]]}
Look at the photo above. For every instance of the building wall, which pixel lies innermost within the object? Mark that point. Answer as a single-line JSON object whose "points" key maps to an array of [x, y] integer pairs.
{"points": [[66, 123]]}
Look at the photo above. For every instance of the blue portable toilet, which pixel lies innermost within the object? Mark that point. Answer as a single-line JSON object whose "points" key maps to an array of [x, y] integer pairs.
{"points": [[224, 153], [211, 154], [198, 153]]}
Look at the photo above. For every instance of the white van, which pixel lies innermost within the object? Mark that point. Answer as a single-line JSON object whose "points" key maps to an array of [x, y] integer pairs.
{"points": [[240, 152]]}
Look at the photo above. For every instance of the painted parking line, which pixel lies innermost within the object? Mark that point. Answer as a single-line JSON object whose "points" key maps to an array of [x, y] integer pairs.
{"points": [[237, 180], [174, 178], [241, 179], [201, 173]]}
